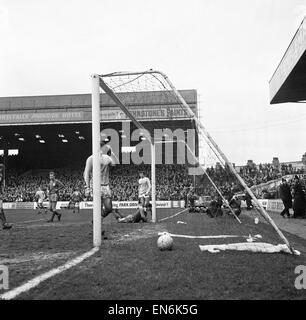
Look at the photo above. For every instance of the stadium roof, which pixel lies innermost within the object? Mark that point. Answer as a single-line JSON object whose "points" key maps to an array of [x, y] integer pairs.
{"points": [[149, 106], [288, 83]]}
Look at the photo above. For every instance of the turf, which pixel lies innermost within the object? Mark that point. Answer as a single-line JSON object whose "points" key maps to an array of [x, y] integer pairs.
{"points": [[129, 265]]}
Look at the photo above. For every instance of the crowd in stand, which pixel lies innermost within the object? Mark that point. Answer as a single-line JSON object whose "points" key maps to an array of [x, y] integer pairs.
{"points": [[266, 172], [172, 181], [253, 175]]}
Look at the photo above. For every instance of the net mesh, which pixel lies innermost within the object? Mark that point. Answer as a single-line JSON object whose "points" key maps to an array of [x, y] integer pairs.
{"points": [[215, 176], [149, 89]]}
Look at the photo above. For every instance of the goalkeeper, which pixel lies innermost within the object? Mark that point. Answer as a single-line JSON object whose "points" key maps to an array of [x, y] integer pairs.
{"points": [[131, 218]]}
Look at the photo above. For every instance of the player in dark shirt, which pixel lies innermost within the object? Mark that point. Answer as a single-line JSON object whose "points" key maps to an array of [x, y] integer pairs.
{"points": [[5, 225], [53, 191], [75, 200]]}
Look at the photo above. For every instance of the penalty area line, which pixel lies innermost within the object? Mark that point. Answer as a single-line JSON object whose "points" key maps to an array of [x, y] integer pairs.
{"points": [[45, 276], [174, 215]]}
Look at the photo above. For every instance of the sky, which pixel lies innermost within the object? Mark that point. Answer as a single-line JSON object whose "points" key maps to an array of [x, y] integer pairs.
{"points": [[226, 50]]}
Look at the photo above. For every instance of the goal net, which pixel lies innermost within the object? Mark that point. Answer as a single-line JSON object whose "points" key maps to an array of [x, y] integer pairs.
{"points": [[135, 93]]}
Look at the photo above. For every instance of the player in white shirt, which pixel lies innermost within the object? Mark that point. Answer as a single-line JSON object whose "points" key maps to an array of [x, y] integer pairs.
{"points": [[40, 196], [144, 189], [106, 160]]}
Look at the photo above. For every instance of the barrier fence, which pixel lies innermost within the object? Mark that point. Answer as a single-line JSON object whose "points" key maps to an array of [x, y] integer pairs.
{"points": [[275, 205]]}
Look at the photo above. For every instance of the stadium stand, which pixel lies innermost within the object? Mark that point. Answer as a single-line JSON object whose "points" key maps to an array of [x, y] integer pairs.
{"points": [[172, 181]]}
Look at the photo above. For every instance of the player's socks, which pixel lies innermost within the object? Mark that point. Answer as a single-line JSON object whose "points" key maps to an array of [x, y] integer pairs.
{"points": [[53, 216], [58, 215], [148, 213]]}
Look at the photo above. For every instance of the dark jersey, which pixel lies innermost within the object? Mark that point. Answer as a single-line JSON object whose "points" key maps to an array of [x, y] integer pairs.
{"points": [[54, 187]]}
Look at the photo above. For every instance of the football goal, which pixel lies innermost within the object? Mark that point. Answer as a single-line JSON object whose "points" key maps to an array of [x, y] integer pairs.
{"points": [[126, 89]]}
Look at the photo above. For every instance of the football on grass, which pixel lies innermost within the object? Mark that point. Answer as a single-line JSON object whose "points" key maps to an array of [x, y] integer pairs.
{"points": [[165, 242]]}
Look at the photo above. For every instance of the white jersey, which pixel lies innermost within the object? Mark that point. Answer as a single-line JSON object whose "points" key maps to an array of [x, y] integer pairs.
{"points": [[105, 161], [40, 195], [144, 186]]}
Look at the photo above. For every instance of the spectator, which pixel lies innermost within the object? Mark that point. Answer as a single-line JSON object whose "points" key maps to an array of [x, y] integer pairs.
{"points": [[285, 195], [299, 202]]}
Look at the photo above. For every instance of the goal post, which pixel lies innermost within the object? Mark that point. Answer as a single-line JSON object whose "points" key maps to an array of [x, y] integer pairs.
{"points": [[153, 181], [118, 85], [96, 172]]}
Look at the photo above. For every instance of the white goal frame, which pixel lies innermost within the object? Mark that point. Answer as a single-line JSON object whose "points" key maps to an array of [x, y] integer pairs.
{"points": [[97, 83], [96, 140]]}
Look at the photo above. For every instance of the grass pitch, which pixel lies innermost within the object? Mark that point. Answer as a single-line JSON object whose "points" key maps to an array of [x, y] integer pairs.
{"points": [[130, 266]]}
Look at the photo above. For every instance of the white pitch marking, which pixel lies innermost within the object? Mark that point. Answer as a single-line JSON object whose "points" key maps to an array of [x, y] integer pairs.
{"points": [[43, 277], [174, 215], [28, 221], [203, 237], [211, 237]]}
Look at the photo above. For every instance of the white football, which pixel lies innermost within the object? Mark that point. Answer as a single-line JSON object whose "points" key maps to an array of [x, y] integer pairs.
{"points": [[165, 242]]}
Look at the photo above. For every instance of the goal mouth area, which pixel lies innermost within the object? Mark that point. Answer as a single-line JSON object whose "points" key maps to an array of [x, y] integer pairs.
{"points": [[115, 84]]}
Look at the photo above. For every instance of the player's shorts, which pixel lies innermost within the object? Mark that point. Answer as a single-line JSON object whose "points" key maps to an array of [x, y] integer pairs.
{"points": [[40, 204], [143, 199], [52, 205], [53, 197], [106, 192], [52, 201], [143, 195]]}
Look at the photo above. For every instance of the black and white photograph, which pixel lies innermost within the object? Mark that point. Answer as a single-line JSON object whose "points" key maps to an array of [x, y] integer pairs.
{"points": [[152, 153]]}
